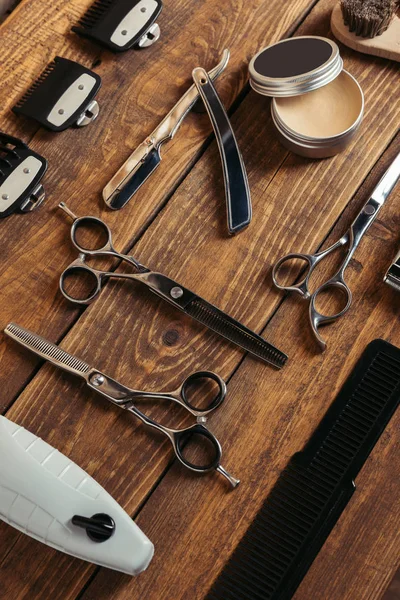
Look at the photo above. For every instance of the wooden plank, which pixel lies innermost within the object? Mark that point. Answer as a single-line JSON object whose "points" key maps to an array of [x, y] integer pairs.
{"points": [[269, 416], [189, 228], [148, 84]]}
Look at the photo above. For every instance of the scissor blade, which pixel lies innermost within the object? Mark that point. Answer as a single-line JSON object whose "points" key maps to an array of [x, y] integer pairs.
{"points": [[132, 183], [388, 181], [235, 332], [47, 350]]}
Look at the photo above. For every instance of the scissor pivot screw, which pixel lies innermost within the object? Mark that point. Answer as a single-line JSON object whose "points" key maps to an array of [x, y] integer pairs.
{"points": [[97, 379], [176, 292], [5, 196]]}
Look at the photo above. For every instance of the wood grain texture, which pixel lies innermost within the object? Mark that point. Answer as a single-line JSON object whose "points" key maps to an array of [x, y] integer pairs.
{"points": [[193, 521], [267, 418], [148, 84]]}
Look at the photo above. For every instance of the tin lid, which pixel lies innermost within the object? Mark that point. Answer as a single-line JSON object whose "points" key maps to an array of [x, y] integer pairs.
{"points": [[295, 66]]}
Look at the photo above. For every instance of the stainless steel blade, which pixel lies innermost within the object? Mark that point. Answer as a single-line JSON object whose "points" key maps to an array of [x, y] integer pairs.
{"points": [[387, 182], [163, 132], [45, 349], [235, 332]]}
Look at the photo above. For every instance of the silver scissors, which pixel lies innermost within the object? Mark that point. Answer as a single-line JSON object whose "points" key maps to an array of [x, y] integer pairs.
{"points": [[165, 287], [125, 398], [351, 239]]}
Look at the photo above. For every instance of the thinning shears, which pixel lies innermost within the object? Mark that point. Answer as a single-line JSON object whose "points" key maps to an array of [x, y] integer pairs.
{"points": [[351, 239], [166, 288], [124, 397]]}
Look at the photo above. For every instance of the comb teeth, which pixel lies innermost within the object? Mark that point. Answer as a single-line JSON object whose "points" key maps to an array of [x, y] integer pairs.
{"points": [[311, 493], [95, 13], [45, 349], [214, 319], [43, 76]]}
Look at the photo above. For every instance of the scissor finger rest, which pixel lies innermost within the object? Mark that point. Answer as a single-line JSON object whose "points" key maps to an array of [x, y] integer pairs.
{"points": [[203, 378], [317, 319]]}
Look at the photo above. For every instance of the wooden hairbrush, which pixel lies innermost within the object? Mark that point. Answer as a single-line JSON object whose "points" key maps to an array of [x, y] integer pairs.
{"points": [[371, 27]]}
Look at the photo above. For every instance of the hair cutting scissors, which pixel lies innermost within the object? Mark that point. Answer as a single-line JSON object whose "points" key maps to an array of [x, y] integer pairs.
{"points": [[160, 284], [351, 239], [125, 398]]}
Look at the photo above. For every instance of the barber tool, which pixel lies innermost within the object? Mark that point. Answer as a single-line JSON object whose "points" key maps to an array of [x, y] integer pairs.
{"points": [[368, 26], [62, 96], [48, 497], [21, 170], [147, 157], [121, 24], [237, 191], [351, 239], [125, 398], [317, 107], [392, 277], [314, 489], [164, 287]]}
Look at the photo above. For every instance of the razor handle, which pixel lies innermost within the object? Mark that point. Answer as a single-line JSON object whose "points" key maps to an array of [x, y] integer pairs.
{"points": [[237, 190]]}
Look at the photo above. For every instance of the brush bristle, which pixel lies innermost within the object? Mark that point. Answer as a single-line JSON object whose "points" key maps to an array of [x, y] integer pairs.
{"points": [[368, 18]]}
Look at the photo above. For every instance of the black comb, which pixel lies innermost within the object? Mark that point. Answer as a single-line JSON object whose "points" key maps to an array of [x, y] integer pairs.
{"points": [[62, 96], [21, 171], [121, 24], [314, 489]]}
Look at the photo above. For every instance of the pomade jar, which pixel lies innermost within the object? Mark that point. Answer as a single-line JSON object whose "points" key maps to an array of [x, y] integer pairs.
{"points": [[316, 106]]}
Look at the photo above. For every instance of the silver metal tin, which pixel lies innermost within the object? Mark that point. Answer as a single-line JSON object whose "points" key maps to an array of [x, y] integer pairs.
{"points": [[294, 67], [325, 60], [314, 147]]}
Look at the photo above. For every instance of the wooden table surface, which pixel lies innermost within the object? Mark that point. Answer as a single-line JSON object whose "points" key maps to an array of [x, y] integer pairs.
{"points": [[176, 223]]}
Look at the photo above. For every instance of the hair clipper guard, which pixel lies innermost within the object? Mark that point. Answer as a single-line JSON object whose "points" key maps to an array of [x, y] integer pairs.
{"points": [[21, 171], [121, 24], [62, 96]]}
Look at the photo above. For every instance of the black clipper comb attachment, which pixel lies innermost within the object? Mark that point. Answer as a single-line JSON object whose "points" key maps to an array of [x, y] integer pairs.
{"points": [[314, 489], [121, 24], [21, 171], [62, 96]]}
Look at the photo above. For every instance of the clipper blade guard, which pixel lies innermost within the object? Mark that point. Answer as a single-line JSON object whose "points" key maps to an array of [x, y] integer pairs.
{"points": [[21, 171], [120, 24], [62, 96]]}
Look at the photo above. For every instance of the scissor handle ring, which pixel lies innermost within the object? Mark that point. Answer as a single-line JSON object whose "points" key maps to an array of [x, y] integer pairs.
{"points": [[215, 402], [300, 287], [181, 438], [333, 283], [81, 222], [80, 269]]}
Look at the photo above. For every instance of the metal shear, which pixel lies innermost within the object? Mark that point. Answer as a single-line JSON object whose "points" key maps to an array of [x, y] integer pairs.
{"points": [[125, 398], [351, 239], [166, 288]]}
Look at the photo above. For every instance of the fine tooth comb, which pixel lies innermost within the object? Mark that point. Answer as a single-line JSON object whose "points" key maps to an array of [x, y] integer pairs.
{"points": [[62, 96], [314, 489], [392, 277], [41, 492], [121, 24], [21, 170]]}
